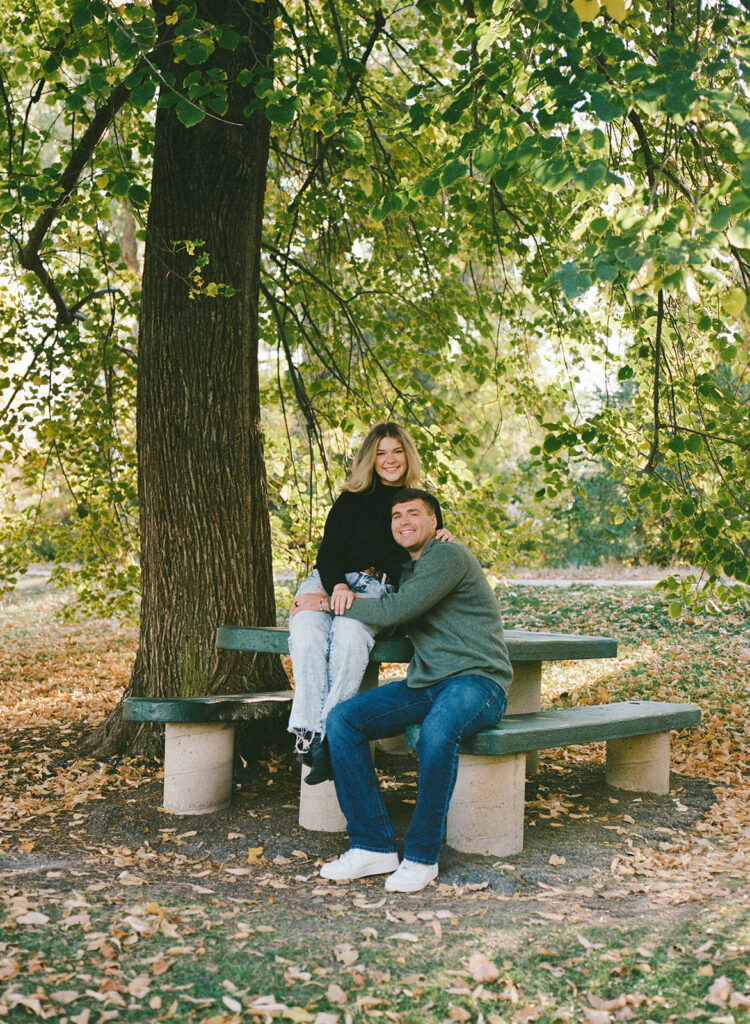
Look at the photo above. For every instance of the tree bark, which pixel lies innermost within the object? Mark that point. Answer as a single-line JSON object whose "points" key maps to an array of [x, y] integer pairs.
{"points": [[205, 532]]}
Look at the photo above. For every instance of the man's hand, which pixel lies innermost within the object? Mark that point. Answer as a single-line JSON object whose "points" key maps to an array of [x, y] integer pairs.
{"points": [[341, 598], [444, 535], [315, 602]]}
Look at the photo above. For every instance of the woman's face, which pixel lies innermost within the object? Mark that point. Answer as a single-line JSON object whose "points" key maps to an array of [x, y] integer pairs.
{"points": [[390, 462]]}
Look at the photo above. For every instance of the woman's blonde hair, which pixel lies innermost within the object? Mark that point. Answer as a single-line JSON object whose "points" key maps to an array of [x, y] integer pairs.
{"points": [[362, 476]]}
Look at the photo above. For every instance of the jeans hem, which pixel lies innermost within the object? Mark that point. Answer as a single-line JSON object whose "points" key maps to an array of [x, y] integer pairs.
{"points": [[372, 849]]}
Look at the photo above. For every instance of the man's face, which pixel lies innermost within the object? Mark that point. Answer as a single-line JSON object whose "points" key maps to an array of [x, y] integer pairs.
{"points": [[413, 524]]}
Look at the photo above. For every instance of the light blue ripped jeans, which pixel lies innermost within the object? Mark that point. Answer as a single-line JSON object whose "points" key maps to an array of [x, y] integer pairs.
{"points": [[329, 656]]}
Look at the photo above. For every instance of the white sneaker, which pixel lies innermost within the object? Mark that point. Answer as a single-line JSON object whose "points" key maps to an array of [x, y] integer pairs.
{"points": [[411, 876], [357, 863]]}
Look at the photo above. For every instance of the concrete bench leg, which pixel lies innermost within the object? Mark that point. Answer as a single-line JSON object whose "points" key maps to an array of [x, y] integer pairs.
{"points": [[319, 809], [639, 763], [486, 810], [525, 697], [198, 767]]}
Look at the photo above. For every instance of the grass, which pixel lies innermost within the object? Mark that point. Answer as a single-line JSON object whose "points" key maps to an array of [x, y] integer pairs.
{"points": [[229, 959], [168, 932]]}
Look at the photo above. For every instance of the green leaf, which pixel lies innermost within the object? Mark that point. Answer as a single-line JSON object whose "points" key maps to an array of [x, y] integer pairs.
{"points": [[564, 20], [552, 443], [142, 95], [81, 16], [456, 109], [138, 195], [739, 234], [119, 185], [573, 281], [591, 175], [353, 140], [229, 38], [605, 271], [605, 107], [734, 301], [354, 67], [327, 55], [720, 218], [383, 207], [188, 114], [282, 111], [75, 100], [694, 443], [486, 158], [554, 173], [452, 172]]}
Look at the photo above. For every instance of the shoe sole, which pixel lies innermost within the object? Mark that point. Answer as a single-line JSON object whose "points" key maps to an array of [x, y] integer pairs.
{"points": [[362, 874], [410, 888], [316, 782]]}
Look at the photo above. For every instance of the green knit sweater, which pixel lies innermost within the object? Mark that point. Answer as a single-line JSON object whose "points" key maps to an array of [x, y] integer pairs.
{"points": [[451, 617]]}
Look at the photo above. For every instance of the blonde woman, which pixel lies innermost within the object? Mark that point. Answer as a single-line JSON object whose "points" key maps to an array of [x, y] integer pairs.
{"points": [[357, 555]]}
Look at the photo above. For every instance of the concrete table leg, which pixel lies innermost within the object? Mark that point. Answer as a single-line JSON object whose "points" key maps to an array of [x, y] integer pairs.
{"points": [[639, 763], [525, 697], [198, 767], [319, 809], [486, 810]]}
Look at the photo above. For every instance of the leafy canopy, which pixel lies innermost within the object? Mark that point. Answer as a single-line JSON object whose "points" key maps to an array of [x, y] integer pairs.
{"points": [[521, 227]]}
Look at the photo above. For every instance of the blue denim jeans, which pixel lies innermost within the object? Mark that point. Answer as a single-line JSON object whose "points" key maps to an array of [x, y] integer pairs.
{"points": [[449, 712], [329, 656]]}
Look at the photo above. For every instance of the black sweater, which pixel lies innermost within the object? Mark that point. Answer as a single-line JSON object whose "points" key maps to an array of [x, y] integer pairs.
{"points": [[357, 536]]}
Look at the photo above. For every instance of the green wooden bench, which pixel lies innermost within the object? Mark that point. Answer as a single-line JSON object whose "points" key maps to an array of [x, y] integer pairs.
{"points": [[199, 733], [487, 809]]}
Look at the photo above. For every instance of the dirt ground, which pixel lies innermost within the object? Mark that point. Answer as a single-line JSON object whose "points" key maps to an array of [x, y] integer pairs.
{"points": [[586, 845], [576, 829]]}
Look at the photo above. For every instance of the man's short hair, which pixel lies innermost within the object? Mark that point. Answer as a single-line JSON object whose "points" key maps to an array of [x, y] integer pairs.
{"points": [[415, 494]]}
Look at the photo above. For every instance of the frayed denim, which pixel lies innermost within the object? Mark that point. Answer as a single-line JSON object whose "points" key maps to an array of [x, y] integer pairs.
{"points": [[449, 712], [329, 657]]}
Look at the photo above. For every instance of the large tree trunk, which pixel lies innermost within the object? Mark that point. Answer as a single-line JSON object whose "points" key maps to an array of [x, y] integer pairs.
{"points": [[205, 535]]}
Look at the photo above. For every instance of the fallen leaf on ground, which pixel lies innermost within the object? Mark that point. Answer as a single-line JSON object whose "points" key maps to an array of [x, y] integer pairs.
{"points": [[720, 991], [33, 917], [345, 953], [481, 968], [336, 994]]}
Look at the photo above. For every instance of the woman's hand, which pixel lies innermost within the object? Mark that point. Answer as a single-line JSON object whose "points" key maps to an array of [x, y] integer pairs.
{"points": [[317, 601], [444, 534], [341, 598]]}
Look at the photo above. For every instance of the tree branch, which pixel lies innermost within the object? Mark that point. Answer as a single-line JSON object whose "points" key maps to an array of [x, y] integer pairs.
{"points": [[299, 390], [67, 183], [9, 119], [377, 28], [651, 461]]}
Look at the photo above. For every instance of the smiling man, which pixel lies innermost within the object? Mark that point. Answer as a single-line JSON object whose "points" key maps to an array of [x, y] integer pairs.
{"points": [[456, 685]]}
